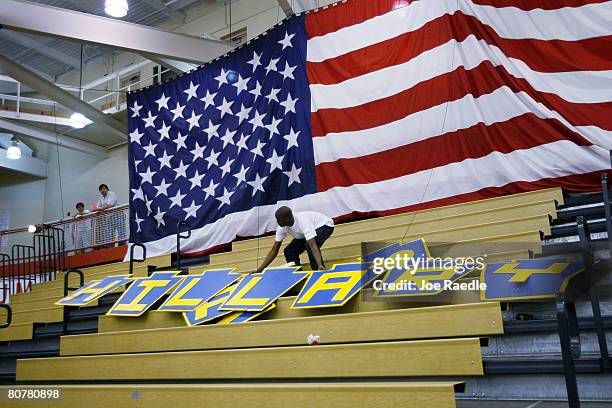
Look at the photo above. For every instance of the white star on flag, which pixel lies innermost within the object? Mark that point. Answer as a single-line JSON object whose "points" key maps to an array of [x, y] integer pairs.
{"points": [[241, 144], [147, 177], [211, 130], [198, 151], [286, 42], [159, 217], [191, 91], [181, 170], [177, 199], [257, 184], [149, 150], [222, 78], [150, 121], [210, 190], [257, 120], [208, 99], [138, 194], [293, 174], [241, 175], [288, 71], [212, 158], [256, 91], [228, 137], [272, 65], [148, 205], [164, 132], [273, 126], [289, 104], [194, 120], [162, 102], [177, 111], [180, 141], [225, 198], [196, 180], [276, 161], [162, 188], [192, 210], [138, 221], [243, 114], [255, 61], [135, 136], [226, 168], [164, 161], [136, 109], [241, 84], [225, 108], [257, 149], [292, 138], [272, 96]]}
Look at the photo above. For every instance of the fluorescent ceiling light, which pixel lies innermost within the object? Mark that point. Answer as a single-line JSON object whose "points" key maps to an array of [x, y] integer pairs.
{"points": [[116, 8]]}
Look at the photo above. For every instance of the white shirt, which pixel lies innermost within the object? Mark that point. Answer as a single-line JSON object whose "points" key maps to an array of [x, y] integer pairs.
{"points": [[304, 225], [110, 199]]}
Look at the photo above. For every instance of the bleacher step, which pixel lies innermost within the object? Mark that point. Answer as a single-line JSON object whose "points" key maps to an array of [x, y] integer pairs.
{"points": [[466, 320], [447, 357], [253, 395]]}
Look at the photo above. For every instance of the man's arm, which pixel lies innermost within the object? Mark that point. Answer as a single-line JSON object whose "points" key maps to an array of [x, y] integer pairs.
{"points": [[270, 257], [316, 252]]}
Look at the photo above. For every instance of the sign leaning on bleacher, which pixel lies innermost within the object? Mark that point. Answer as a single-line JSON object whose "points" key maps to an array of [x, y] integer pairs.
{"points": [[396, 270]]}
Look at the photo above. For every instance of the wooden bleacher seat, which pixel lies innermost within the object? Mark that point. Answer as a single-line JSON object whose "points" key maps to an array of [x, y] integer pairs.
{"points": [[37, 306]]}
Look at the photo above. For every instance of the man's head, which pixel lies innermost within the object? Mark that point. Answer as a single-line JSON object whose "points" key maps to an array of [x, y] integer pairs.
{"points": [[80, 207], [284, 217], [103, 189]]}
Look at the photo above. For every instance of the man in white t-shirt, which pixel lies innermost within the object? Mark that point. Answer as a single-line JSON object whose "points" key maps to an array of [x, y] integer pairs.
{"points": [[309, 229], [112, 222]]}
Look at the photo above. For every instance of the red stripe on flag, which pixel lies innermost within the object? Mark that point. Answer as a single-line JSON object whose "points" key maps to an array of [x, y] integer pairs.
{"points": [[585, 55], [479, 81], [537, 4], [523, 132], [353, 12]]}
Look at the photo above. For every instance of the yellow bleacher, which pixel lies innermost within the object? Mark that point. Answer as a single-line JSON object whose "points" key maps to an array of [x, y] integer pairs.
{"points": [[37, 306], [364, 339]]}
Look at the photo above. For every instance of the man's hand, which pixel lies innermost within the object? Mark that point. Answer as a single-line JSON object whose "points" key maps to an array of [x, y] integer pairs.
{"points": [[316, 252], [270, 257]]}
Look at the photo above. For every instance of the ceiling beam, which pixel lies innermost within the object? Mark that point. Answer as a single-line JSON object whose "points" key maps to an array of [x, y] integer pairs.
{"points": [[50, 137], [286, 6], [160, 6], [177, 66], [54, 92], [87, 28], [40, 48]]}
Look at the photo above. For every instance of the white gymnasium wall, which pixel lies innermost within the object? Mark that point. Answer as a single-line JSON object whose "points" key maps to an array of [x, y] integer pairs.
{"points": [[79, 176], [23, 197]]}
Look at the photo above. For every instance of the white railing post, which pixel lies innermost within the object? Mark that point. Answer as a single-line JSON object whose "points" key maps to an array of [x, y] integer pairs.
{"points": [[18, 97]]}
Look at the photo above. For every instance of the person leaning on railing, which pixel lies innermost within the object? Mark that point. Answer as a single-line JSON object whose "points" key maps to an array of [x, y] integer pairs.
{"points": [[113, 222], [81, 231]]}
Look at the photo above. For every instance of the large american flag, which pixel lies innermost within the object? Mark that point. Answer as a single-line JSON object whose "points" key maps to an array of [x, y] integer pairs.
{"points": [[372, 107]]}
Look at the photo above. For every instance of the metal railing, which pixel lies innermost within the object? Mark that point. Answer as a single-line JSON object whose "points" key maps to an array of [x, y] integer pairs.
{"points": [[30, 258]]}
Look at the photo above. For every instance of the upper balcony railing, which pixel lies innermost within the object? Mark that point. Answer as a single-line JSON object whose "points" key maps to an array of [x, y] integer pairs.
{"points": [[112, 99], [101, 229]]}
